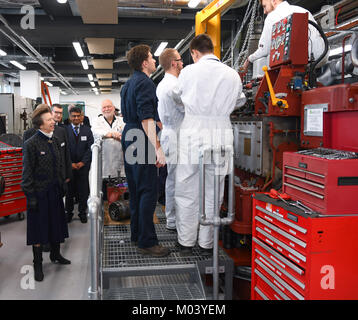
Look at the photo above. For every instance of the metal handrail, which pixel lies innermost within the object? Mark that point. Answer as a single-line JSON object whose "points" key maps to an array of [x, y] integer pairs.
{"points": [[94, 210], [216, 221]]}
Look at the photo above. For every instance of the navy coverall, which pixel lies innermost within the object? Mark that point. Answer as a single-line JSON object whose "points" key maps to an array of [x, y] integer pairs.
{"points": [[138, 103]]}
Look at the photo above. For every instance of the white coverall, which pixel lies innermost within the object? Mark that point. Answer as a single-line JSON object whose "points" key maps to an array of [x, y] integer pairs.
{"points": [[171, 115], [112, 155], [209, 91], [283, 10]]}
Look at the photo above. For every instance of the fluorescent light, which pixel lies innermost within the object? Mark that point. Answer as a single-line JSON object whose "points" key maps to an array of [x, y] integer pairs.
{"points": [[90, 77], [160, 49], [49, 84], [61, 1], [18, 65], [78, 49], [179, 44], [339, 50], [84, 64], [193, 3], [92, 84], [42, 78], [64, 93], [2, 53]]}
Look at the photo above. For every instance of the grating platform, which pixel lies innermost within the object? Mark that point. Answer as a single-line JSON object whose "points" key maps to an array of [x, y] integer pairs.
{"points": [[121, 261]]}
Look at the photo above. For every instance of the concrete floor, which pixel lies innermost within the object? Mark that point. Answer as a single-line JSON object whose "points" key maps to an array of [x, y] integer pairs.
{"points": [[68, 282]]}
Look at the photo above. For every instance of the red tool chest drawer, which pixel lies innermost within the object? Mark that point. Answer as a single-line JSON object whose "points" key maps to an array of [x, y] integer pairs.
{"points": [[13, 199], [292, 251], [326, 180]]}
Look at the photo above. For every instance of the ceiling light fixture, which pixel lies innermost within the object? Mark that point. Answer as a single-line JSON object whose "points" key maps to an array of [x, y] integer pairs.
{"points": [[78, 49], [90, 77], [84, 64], [2, 53], [92, 84], [193, 3], [160, 49], [49, 84], [18, 65], [61, 1]]}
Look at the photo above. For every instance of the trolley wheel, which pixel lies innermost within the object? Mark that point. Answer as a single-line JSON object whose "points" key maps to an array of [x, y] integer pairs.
{"points": [[21, 216]]}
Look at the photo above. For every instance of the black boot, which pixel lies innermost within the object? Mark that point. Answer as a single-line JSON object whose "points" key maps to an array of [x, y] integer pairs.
{"points": [[55, 255], [37, 251]]}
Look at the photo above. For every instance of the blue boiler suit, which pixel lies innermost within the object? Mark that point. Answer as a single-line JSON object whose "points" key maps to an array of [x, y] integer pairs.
{"points": [[138, 103]]}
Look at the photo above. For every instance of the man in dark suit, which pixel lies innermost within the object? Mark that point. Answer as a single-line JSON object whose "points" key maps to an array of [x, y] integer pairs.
{"points": [[80, 140]]}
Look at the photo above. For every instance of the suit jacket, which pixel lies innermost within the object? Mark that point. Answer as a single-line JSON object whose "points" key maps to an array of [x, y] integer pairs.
{"points": [[80, 147], [39, 170], [61, 135]]}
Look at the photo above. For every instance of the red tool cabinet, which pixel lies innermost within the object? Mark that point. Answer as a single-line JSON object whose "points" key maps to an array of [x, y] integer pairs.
{"points": [[13, 200], [297, 256]]}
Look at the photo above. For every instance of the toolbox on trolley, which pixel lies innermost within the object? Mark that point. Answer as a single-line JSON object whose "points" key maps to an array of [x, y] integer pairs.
{"points": [[12, 200], [301, 256]]}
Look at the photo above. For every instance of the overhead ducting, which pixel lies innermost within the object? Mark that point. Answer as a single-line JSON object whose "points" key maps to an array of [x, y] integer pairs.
{"points": [[176, 4]]}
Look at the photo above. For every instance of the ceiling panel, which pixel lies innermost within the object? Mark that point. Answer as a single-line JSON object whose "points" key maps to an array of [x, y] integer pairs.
{"points": [[100, 45], [93, 12], [102, 63], [105, 83], [104, 75]]}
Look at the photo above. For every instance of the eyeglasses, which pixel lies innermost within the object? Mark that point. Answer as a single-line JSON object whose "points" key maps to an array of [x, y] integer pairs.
{"points": [[178, 59]]}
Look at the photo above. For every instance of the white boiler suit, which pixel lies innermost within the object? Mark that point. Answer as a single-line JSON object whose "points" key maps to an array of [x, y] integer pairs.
{"points": [[171, 115], [112, 154], [283, 10], [209, 91]]}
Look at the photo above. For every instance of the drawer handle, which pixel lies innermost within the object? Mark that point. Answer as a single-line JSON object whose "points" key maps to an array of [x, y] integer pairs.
{"points": [[290, 224], [280, 243], [278, 279], [279, 257], [288, 275], [305, 181], [270, 284], [305, 171], [281, 232], [261, 294], [304, 190]]}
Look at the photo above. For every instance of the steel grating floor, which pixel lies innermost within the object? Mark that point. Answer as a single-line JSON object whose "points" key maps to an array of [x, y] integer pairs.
{"points": [[118, 252], [168, 292]]}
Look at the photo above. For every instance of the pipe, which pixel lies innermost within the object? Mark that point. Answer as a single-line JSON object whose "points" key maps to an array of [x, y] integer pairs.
{"points": [[182, 4], [147, 12], [344, 56], [94, 205]]}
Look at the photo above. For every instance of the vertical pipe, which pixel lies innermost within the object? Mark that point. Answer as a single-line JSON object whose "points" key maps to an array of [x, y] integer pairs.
{"points": [[216, 226]]}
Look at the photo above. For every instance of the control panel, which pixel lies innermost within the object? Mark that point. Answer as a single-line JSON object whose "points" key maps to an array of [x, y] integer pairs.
{"points": [[289, 41]]}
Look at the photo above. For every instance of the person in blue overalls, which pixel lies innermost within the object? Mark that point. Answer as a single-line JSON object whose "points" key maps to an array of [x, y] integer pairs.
{"points": [[142, 151]]}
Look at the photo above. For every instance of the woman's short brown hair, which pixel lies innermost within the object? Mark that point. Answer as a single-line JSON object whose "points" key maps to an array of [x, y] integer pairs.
{"points": [[166, 58], [137, 55], [38, 112]]}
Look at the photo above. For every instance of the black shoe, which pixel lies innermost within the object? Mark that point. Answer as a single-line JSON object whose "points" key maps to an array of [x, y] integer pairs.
{"points": [[37, 251], [55, 255], [46, 248], [83, 217], [155, 251], [183, 250], [205, 252], [69, 217]]}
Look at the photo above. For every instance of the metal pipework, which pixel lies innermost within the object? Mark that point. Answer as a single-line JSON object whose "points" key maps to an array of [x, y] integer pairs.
{"points": [[182, 4], [94, 207], [216, 221]]}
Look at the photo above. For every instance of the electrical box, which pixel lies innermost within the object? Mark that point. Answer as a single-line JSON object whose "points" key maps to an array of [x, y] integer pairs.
{"points": [[289, 41]]}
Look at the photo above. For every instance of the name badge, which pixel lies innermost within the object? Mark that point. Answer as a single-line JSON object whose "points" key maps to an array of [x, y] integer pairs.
{"points": [[83, 138], [62, 144]]}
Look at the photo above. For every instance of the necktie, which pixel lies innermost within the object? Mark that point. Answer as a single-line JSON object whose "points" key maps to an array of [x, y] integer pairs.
{"points": [[76, 129]]}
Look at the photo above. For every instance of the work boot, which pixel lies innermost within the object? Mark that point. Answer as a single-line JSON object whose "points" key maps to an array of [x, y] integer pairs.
{"points": [[205, 252], [155, 251], [37, 251], [83, 217], [183, 250], [46, 248], [55, 255]]}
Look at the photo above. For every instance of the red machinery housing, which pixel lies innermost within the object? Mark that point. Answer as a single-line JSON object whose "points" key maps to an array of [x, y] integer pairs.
{"points": [[13, 199], [327, 114], [296, 256]]}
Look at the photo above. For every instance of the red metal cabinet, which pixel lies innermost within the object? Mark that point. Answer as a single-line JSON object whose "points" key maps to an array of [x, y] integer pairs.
{"points": [[296, 256], [13, 199]]}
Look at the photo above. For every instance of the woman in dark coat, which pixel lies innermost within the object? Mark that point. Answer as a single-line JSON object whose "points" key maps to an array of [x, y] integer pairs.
{"points": [[42, 183]]}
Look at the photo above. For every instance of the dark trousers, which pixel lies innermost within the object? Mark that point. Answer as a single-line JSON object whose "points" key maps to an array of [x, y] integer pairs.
{"points": [[162, 177], [79, 185], [142, 186]]}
